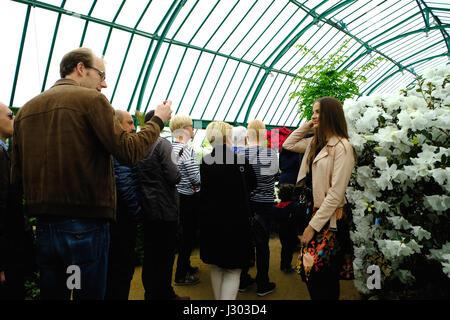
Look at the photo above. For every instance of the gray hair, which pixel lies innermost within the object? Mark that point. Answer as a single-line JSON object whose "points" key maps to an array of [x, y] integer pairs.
{"points": [[238, 135]]}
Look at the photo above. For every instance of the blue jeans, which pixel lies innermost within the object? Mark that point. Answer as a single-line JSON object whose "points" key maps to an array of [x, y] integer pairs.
{"points": [[62, 242]]}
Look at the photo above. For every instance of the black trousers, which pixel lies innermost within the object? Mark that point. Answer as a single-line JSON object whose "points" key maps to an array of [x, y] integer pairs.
{"points": [[121, 260], [324, 285], [159, 255], [189, 227], [261, 235], [288, 239]]}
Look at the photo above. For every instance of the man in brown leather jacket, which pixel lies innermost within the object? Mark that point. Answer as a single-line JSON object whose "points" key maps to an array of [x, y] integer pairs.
{"points": [[61, 154]]}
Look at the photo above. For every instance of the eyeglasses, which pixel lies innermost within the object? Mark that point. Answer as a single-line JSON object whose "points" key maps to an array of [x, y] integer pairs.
{"points": [[100, 72], [10, 115]]}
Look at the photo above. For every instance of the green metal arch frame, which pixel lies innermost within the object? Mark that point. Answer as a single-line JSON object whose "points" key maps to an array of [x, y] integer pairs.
{"points": [[409, 65], [283, 51], [267, 68]]}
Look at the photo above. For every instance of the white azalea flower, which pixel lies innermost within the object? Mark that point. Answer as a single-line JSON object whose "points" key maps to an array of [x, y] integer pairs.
{"points": [[357, 141], [369, 120], [404, 119], [420, 233], [441, 175], [437, 203], [405, 276], [381, 206], [400, 223], [389, 163], [381, 163], [392, 249]]}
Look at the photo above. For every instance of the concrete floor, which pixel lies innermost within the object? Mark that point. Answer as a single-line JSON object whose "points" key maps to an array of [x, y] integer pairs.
{"points": [[289, 286]]}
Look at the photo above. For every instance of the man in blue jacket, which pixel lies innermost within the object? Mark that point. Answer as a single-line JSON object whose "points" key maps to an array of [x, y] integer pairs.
{"points": [[124, 229]]}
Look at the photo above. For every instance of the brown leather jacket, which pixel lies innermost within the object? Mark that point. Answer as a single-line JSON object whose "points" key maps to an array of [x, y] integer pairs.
{"points": [[61, 152]]}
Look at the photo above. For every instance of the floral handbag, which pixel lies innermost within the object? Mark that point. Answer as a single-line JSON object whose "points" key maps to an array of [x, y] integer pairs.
{"points": [[328, 249]]}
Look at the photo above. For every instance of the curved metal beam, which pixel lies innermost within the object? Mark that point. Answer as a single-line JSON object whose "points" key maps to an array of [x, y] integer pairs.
{"points": [[444, 26], [404, 59], [284, 50], [438, 21], [158, 46], [409, 65]]}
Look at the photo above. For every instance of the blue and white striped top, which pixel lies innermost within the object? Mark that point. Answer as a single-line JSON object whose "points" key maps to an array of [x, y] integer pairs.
{"points": [[265, 165], [189, 169]]}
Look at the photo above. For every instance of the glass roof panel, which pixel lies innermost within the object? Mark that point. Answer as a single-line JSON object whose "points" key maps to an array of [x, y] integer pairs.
{"points": [[105, 9], [230, 60], [13, 42], [80, 6]]}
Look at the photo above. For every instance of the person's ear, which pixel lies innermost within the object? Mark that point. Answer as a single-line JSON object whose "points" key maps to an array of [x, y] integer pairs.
{"points": [[80, 68]]}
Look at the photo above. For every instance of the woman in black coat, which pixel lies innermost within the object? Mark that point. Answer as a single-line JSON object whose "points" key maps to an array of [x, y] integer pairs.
{"points": [[225, 235]]}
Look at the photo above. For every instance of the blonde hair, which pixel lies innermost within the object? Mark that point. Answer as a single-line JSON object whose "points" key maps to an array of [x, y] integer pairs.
{"points": [[255, 130], [179, 122], [216, 130]]}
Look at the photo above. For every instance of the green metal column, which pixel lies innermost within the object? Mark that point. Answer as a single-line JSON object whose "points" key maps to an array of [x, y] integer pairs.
{"points": [[158, 46], [87, 22], [19, 58], [128, 49], [145, 60], [111, 28], [50, 55]]}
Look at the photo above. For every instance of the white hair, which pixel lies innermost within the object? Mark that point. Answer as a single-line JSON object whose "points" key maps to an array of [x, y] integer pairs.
{"points": [[238, 135]]}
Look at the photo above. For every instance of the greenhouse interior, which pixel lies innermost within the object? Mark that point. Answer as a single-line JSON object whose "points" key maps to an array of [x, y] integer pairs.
{"points": [[275, 66]]}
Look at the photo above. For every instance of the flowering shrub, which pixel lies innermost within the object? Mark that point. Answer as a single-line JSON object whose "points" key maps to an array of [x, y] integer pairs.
{"points": [[276, 137], [400, 188]]}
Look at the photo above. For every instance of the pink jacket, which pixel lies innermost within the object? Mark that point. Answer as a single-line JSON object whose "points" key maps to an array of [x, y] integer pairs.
{"points": [[331, 170]]}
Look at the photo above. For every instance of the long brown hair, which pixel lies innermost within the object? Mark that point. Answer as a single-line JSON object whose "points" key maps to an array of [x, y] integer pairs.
{"points": [[331, 123]]}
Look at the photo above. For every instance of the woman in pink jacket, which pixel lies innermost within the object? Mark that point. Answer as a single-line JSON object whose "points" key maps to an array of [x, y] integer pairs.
{"points": [[324, 173]]}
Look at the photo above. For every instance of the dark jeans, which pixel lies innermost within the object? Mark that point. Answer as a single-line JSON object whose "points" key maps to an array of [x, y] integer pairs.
{"points": [[159, 255], [189, 227], [121, 260], [61, 243], [263, 212], [324, 285]]}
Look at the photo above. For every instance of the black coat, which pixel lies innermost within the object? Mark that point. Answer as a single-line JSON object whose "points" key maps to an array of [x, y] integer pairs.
{"points": [[225, 236], [289, 165], [4, 189], [159, 175], [16, 238]]}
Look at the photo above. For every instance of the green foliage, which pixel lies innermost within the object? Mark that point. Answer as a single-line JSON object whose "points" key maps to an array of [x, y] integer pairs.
{"points": [[140, 118], [32, 290], [324, 79]]}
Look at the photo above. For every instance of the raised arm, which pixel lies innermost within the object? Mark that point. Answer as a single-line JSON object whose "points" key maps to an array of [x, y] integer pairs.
{"points": [[296, 141]]}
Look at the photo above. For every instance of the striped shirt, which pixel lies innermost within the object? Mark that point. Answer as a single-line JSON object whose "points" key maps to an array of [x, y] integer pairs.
{"points": [[265, 165], [189, 169]]}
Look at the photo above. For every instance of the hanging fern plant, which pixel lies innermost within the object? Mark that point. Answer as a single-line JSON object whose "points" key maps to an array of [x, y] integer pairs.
{"points": [[324, 79]]}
